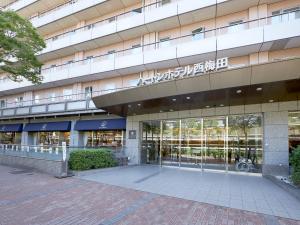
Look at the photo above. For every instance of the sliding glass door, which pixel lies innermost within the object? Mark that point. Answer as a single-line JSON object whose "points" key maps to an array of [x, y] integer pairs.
{"points": [[231, 143]]}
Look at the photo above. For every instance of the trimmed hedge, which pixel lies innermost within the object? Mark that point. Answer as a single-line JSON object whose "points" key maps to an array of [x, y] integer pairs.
{"points": [[91, 159], [295, 162]]}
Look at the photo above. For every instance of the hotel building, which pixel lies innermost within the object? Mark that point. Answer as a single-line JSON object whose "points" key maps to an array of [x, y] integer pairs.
{"points": [[208, 84]]}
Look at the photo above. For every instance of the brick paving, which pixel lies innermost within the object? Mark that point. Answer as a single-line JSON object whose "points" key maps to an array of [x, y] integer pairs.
{"points": [[31, 198]]}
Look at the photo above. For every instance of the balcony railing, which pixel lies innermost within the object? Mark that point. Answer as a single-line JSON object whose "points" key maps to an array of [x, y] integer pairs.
{"points": [[98, 24], [61, 98], [230, 29], [41, 14]]}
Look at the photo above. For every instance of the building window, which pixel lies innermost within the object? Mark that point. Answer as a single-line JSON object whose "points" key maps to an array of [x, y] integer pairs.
{"points": [[276, 17], [112, 19], [164, 2], [285, 15], [139, 10], [67, 93], [291, 14], [2, 103], [236, 26], [19, 101], [112, 138], [111, 54], [88, 92], [164, 42], [136, 48], [109, 88], [36, 99], [198, 34], [52, 97]]}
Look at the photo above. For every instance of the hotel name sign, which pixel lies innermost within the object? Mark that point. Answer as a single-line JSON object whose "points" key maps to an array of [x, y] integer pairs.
{"points": [[187, 71]]}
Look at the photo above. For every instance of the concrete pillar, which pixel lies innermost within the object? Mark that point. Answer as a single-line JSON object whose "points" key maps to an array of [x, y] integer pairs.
{"points": [[75, 136], [276, 147], [132, 145]]}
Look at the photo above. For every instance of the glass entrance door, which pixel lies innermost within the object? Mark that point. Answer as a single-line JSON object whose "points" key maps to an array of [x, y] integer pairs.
{"points": [[191, 144], [215, 143], [229, 143], [171, 142]]}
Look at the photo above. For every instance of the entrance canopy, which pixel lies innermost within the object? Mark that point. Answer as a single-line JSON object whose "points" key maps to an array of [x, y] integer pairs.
{"points": [[111, 124], [11, 127], [269, 82], [50, 126]]}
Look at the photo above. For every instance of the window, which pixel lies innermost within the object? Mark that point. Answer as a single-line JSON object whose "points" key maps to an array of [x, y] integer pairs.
{"points": [[36, 99], [90, 26], [89, 59], [164, 42], [52, 97], [235, 26], [139, 10], [132, 83], [67, 93], [198, 34], [285, 15], [109, 88], [53, 67], [136, 48], [88, 92], [112, 19], [276, 17], [2, 103], [19, 101], [164, 2], [291, 14], [111, 54]]}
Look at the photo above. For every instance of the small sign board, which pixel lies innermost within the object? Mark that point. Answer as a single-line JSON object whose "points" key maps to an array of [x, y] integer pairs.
{"points": [[132, 134]]}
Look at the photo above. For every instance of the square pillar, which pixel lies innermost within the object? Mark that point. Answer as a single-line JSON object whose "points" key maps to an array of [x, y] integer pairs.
{"points": [[276, 143], [132, 145], [75, 136]]}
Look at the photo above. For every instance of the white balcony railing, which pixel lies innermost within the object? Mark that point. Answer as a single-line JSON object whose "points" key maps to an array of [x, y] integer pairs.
{"points": [[133, 18], [244, 34], [229, 41], [19, 4]]}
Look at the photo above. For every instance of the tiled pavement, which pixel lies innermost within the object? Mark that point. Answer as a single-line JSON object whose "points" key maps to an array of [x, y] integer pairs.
{"points": [[30, 198], [251, 193]]}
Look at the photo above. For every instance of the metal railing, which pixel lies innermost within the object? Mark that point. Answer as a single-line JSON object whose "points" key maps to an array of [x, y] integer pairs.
{"points": [[49, 152], [62, 98], [44, 13], [179, 40], [32, 151], [284, 17], [96, 25]]}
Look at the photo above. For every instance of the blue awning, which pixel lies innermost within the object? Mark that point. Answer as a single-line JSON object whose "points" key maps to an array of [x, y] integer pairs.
{"points": [[11, 127], [110, 124], [50, 126]]}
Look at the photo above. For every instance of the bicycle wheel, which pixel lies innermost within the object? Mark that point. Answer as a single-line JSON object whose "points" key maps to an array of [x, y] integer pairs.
{"points": [[242, 166]]}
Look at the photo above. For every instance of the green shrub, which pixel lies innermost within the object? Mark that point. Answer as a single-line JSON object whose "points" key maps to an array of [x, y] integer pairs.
{"points": [[295, 162], [91, 159]]}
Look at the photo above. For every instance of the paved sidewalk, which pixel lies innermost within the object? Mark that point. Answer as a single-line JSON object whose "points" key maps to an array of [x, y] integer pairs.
{"points": [[251, 193], [30, 198]]}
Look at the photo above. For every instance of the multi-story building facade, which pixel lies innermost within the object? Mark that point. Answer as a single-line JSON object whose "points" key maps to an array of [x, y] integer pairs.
{"points": [[194, 83]]}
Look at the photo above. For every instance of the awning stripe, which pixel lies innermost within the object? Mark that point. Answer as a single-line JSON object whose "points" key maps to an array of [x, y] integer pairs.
{"points": [[49, 126], [110, 124]]}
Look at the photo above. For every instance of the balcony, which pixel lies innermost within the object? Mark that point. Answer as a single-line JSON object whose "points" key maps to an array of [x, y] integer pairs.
{"points": [[73, 11], [230, 41], [150, 18], [26, 8], [80, 103]]}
